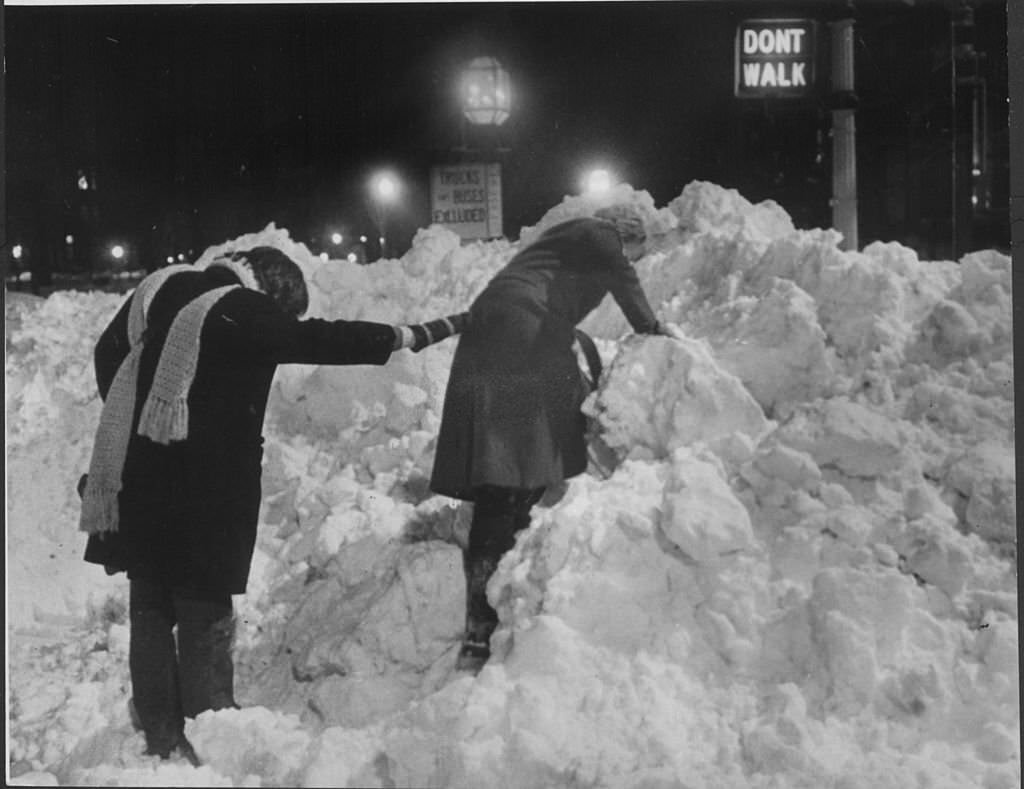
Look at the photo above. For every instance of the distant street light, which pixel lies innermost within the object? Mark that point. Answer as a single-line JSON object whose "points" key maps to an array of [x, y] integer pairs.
{"points": [[17, 251], [117, 252], [337, 238], [597, 181], [69, 239], [385, 189]]}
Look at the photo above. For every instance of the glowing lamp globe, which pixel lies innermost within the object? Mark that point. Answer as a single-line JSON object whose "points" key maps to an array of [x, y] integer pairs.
{"points": [[486, 92], [597, 182]]}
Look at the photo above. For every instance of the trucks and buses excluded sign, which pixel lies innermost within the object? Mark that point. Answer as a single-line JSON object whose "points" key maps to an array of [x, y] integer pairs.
{"points": [[466, 198], [774, 58]]}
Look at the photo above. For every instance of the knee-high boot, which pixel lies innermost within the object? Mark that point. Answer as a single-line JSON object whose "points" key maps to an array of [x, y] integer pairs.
{"points": [[498, 515]]}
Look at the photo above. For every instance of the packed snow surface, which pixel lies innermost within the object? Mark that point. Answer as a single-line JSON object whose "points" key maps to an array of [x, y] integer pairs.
{"points": [[794, 567]]}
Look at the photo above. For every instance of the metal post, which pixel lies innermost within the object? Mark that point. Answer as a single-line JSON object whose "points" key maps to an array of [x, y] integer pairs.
{"points": [[954, 187], [844, 136]]}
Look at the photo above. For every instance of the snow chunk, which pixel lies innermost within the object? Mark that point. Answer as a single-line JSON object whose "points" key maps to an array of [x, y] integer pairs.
{"points": [[774, 344], [700, 512], [663, 393], [249, 743], [855, 439], [985, 475], [708, 208]]}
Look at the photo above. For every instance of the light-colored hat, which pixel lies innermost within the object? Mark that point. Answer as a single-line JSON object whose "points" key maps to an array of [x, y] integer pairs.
{"points": [[627, 220]]}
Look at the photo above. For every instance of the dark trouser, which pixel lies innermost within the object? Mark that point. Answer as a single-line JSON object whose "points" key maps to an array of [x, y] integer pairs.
{"points": [[498, 515], [171, 682]]}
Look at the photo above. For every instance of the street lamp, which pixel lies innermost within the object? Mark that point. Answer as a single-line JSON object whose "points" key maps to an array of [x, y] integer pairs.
{"points": [[486, 92], [385, 189], [598, 181], [337, 238]]}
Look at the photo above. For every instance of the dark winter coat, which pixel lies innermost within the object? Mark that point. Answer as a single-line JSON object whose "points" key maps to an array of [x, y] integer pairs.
{"points": [[188, 510], [512, 408]]}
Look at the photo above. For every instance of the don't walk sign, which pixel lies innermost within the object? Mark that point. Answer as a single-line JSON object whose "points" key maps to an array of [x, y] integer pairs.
{"points": [[775, 58]]}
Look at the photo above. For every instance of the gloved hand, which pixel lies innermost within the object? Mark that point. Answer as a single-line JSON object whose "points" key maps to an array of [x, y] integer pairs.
{"points": [[418, 336]]}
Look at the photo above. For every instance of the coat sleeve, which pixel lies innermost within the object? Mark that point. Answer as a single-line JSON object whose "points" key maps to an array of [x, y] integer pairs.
{"points": [[111, 349], [251, 326], [623, 283]]}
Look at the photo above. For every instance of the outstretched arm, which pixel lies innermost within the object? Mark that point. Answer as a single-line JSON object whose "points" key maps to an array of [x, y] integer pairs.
{"points": [[418, 336], [251, 325]]}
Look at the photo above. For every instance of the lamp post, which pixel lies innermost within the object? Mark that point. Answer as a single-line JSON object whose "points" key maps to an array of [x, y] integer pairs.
{"points": [[466, 191], [384, 192], [486, 94]]}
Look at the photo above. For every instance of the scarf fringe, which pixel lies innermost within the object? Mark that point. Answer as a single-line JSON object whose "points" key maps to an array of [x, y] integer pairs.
{"points": [[163, 420], [99, 508]]}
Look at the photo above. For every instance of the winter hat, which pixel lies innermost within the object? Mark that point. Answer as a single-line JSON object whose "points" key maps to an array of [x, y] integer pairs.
{"points": [[627, 220], [271, 271]]}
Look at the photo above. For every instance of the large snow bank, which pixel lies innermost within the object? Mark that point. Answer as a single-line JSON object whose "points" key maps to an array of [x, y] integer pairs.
{"points": [[799, 571]]}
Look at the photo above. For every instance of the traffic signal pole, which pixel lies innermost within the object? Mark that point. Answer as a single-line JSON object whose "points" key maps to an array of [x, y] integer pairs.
{"points": [[844, 135]]}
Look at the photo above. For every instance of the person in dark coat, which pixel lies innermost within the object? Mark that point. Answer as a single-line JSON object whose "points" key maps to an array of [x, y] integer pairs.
{"points": [[511, 425], [177, 506]]}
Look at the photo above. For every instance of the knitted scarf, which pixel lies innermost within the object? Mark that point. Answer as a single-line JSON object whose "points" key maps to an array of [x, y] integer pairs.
{"points": [[164, 415], [99, 499]]}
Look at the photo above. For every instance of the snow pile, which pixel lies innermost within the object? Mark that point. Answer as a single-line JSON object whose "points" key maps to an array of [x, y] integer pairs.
{"points": [[52, 410], [799, 571]]}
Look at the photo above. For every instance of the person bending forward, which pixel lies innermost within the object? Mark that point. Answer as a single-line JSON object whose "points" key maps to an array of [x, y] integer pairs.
{"points": [[173, 490], [511, 425]]}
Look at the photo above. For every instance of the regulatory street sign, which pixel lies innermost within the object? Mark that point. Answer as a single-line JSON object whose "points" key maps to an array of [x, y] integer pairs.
{"points": [[774, 58], [466, 198]]}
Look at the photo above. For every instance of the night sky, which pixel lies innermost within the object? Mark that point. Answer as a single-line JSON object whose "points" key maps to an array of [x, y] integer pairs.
{"points": [[209, 121]]}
